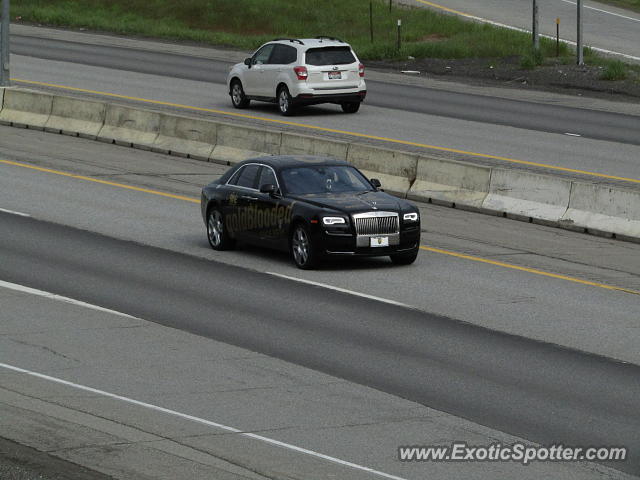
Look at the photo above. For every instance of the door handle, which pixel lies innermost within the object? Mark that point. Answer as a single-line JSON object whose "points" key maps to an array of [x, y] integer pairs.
{"points": [[247, 197]]}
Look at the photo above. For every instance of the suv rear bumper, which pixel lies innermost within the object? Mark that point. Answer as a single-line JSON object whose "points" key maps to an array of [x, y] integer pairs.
{"points": [[312, 98]]}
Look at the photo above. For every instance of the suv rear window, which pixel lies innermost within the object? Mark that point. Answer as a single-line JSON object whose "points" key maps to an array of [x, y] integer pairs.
{"points": [[330, 56]]}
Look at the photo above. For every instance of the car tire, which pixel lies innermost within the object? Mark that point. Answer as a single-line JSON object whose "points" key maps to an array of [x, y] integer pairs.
{"points": [[404, 258], [350, 107], [238, 97], [285, 102], [217, 234], [303, 252]]}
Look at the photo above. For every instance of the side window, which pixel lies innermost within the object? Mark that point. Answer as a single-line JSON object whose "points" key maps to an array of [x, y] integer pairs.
{"points": [[234, 178], [262, 55], [267, 177], [291, 55], [247, 177], [283, 55]]}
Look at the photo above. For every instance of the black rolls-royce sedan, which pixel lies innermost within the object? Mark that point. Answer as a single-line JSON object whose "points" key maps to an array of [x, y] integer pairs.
{"points": [[312, 207]]}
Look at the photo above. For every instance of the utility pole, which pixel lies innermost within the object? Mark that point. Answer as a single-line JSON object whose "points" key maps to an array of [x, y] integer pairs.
{"points": [[4, 44], [580, 46], [534, 28]]}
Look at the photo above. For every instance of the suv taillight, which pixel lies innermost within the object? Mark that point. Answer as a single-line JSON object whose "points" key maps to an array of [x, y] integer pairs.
{"points": [[301, 72], [361, 70]]}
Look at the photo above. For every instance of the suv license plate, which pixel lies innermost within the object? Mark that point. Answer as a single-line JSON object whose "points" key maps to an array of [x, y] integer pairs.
{"points": [[335, 75], [379, 241]]}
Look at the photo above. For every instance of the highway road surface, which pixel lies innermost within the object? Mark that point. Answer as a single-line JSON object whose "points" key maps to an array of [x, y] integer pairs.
{"points": [[606, 27], [164, 357], [482, 128], [509, 326]]}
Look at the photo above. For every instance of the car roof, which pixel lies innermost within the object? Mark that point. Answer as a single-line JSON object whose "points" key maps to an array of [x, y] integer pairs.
{"points": [[278, 162], [312, 42]]}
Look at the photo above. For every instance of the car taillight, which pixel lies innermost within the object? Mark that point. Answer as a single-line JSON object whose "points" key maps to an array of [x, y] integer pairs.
{"points": [[361, 70], [301, 72]]}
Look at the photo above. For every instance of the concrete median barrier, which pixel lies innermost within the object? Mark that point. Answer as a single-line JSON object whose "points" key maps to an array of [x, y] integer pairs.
{"points": [[450, 183], [131, 127], [188, 137], [603, 210], [527, 196], [515, 193], [395, 170], [26, 108], [73, 116], [236, 143], [293, 144]]}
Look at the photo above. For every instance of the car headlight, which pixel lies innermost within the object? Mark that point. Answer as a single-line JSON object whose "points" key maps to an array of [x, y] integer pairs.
{"points": [[410, 217], [333, 220]]}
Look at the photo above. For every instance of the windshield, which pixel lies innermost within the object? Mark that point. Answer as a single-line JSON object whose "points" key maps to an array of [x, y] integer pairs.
{"points": [[330, 56], [324, 179]]}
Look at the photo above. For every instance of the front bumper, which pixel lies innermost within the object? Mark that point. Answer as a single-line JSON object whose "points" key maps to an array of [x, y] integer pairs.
{"points": [[350, 244], [315, 98]]}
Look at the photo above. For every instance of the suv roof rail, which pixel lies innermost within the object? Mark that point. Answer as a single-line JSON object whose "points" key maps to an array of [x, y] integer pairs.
{"points": [[289, 39], [321, 37]]}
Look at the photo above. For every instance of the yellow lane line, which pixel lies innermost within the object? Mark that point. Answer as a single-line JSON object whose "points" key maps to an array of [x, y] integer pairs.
{"points": [[332, 130], [423, 247], [529, 270], [446, 9], [103, 182]]}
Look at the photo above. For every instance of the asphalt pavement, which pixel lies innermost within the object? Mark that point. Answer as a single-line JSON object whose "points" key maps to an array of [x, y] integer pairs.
{"points": [[533, 390], [508, 349], [136, 400], [19, 462], [505, 299], [499, 111], [510, 327]]}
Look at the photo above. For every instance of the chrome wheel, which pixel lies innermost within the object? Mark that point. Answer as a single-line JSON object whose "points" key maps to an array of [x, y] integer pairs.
{"points": [[300, 246], [283, 101], [215, 229]]}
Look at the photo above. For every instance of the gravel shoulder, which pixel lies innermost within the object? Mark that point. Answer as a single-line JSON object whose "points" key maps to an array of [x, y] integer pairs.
{"points": [[554, 77]]}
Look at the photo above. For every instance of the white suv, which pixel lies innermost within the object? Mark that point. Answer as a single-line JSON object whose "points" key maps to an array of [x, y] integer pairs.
{"points": [[294, 72]]}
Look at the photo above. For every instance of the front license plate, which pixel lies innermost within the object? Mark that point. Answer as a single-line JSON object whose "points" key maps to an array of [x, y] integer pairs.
{"points": [[335, 75], [379, 241]]}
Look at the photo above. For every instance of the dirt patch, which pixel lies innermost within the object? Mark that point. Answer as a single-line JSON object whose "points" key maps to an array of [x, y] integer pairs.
{"points": [[432, 37], [553, 76]]}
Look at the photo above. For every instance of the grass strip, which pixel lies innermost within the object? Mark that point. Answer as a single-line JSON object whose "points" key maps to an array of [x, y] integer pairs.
{"points": [[246, 24]]}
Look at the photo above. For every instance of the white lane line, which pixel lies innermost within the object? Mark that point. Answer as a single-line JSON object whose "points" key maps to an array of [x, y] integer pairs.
{"points": [[572, 134], [202, 421], [604, 11], [13, 212], [60, 298], [343, 290]]}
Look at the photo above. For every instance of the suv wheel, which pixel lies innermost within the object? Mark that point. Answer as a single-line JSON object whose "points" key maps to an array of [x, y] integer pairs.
{"points": [[302, 251], [238, 98], [285, 102], [350, 107]]}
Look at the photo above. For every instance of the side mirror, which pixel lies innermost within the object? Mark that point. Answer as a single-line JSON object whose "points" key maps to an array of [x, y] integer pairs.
{"points": [[247, 62], [376, 183], [269, 188]]}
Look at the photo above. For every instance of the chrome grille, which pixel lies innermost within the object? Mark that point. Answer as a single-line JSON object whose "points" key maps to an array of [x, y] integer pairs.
{"points": [[376, 223]]}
